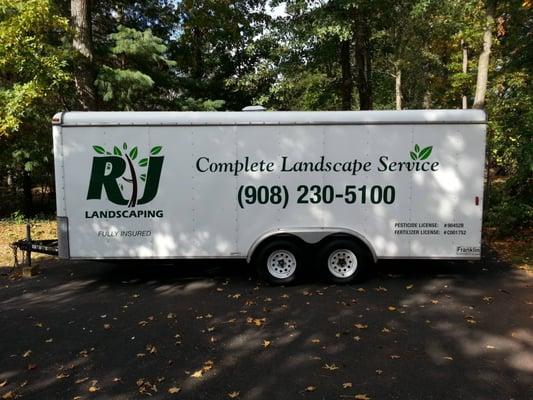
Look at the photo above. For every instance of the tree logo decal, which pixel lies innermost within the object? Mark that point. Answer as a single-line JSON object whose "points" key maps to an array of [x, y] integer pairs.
{"points": [[419, 155], [121, 174]]}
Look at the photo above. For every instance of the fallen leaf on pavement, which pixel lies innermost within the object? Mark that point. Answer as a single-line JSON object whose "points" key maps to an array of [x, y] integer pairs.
{"points": [[310, 388], [27, 353], [256, 321], [208, 365], [3, 383], [331, 367], [151, 349], [145, 387], [361, 397], [266, 343], [361, 326], [174, 390], [233, 395], [8, 395], [347, 385], [82, 380], [197, 374]]}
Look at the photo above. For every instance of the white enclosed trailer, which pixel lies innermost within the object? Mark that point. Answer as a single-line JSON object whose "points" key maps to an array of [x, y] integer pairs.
{"points": [[271, 186]]}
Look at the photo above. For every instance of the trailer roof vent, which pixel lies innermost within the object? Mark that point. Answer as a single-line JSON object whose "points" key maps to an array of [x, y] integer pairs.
{"points": [[254, 108]]}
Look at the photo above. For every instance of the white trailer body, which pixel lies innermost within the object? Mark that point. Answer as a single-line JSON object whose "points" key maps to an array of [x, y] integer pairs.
{"points": [[157, 185]]}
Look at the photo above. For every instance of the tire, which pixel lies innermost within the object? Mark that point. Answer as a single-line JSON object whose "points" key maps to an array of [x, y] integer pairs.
{"points": [[343, 260], [278, 261]]}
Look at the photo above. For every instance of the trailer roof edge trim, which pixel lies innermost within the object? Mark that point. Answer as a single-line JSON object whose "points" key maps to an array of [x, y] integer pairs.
{"points": [[179, 118]]}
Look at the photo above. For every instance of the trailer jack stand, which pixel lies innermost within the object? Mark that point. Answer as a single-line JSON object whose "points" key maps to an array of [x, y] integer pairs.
{"points": [[28, 246]]}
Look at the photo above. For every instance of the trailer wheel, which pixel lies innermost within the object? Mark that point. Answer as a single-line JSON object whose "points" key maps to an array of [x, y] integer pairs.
{"points": [[343, 260], [278, 261]]}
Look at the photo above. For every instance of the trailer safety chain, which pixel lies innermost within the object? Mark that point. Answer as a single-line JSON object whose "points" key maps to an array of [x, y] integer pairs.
{"points": [[15, 258], [15, 246]]}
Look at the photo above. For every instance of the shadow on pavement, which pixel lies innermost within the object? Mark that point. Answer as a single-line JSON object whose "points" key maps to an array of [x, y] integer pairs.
{"points": [[417, 330]]}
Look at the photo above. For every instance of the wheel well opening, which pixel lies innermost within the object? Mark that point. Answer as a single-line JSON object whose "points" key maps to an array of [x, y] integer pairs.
{"points": [[346, 236], [282, 236]]}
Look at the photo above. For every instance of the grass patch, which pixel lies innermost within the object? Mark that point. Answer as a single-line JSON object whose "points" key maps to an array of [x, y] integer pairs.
{"points": [[12, 230]]}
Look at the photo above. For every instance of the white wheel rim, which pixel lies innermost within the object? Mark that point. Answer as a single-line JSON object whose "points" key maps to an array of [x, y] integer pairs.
{"points": [[342, 263], [281, 264]]}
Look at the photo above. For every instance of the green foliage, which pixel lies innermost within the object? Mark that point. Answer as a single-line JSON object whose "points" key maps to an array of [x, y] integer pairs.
{"points": [[143, 47], [507, 215], [137, 59], [123, 88], [511, 121], [217, 44], [211, 55], [32, 65]]}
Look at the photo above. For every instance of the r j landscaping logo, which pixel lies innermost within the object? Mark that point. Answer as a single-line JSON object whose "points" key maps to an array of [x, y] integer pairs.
{"points": [[121, 172]]}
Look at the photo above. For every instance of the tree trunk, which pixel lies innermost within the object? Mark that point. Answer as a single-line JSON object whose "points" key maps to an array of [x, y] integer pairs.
{"points": [[398, 88], [363, 61], [28, 195], [347, 82], [84, 73], [198, 54], [484, 57], [465, 70], [427, 101]]}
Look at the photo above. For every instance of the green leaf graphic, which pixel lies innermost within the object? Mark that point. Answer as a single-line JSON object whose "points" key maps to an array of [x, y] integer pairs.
{"points": [[413, 155], [143, 177], [133, 153], [124, 146], [116, 151], [99, 149], [425, 153], [108, 153], [417, 148], [143, 162], [156, 150]]}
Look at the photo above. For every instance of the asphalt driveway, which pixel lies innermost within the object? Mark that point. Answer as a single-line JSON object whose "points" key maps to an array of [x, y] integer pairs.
{"points": [[211, 330]]}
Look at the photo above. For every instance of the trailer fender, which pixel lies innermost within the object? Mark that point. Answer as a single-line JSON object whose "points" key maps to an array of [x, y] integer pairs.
{"points": [[310, 236]]}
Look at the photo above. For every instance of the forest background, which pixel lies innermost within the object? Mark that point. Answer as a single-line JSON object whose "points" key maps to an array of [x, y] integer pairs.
{"points": [[59, 55]]}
